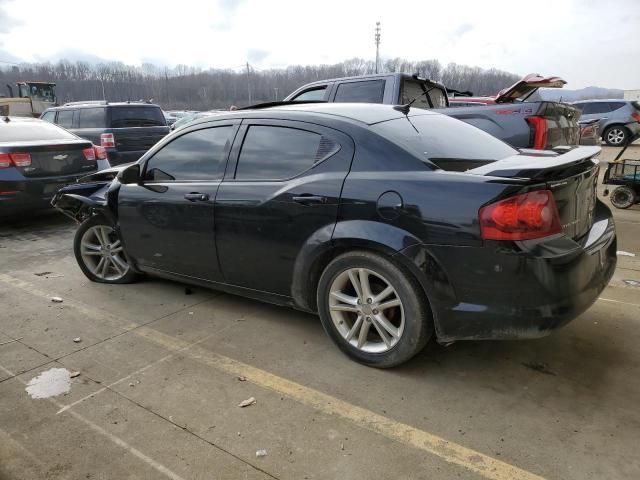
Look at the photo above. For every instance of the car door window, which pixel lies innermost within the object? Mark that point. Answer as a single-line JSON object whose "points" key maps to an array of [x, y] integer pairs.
{"points": [[596, 107], [315, 94], [65, 118], [92, 118], [49, 117], [197, 155], [368, 91], [278, 153]]}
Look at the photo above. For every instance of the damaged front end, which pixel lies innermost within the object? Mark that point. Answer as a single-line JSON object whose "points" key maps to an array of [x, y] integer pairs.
{"points": [[92, 194]]}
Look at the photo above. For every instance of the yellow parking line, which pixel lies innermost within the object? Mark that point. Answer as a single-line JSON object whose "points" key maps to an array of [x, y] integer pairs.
{"points": [[448, 451]]}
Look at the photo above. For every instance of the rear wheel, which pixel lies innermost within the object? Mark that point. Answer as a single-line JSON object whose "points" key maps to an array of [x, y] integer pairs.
{"points": [[373, 310], [623, 197], [616, 136], [100, 253]]}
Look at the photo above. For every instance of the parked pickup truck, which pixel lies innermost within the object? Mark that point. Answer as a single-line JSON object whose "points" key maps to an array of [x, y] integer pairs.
{"points": [[522, 124]]}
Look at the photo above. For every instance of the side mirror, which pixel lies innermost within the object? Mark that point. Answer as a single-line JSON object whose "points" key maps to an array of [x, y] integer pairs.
{"points": [[130, 175]]}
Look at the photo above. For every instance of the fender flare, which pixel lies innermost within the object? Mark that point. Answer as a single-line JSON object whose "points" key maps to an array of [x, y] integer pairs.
{"points": [[329, 241]]}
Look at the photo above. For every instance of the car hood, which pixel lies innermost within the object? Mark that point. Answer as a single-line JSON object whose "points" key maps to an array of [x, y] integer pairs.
{"points": [[526, 86]]}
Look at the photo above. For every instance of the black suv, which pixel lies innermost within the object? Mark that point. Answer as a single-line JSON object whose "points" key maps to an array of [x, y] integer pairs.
{"points": [[126, 130]]}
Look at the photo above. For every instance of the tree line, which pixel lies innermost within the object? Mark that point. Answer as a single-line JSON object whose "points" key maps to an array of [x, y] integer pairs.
{"points": [[184, 87]]}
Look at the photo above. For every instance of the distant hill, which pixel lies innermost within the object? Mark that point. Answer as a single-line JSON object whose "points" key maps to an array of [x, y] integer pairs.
{"points": [[555, 94]]}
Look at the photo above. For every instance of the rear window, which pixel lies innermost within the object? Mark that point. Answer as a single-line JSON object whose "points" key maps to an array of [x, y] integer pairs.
{"points": [[368, 91], [137, 116], [412, 89], [32, 131], [616, 105], [92, 118], [448, 143]]}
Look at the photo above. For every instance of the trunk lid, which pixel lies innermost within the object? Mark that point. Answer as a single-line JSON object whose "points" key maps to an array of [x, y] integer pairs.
{"points": [[52, 158], [571, 177], [527, 86]]}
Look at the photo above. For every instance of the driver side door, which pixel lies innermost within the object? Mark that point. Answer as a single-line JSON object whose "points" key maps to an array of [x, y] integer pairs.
{"points": [[167, 220]]}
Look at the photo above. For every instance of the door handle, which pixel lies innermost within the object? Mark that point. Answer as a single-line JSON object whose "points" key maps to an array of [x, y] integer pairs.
{"points": [[309, 199], [196, 197]]}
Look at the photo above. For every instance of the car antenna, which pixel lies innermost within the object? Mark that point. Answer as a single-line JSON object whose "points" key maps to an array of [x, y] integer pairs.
{"points": [[405, 108]]}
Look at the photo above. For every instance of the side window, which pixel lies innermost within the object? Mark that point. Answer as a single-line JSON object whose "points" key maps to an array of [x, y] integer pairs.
{"points": [[49, 116], [580, 106], [198, 155], [368, 91], [311, 95], [92, 118], [596, 107], [278, 153], [65, 118]]}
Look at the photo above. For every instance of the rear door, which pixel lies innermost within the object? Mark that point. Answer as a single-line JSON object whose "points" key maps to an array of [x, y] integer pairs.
{"points": [[168, 219], [280, 193]]}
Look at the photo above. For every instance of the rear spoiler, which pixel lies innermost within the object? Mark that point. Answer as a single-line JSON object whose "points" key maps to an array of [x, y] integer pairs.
{"points": [[536, 164]]}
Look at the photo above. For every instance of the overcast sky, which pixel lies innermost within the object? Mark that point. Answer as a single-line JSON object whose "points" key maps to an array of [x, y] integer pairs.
{"points": [[586, 42]]}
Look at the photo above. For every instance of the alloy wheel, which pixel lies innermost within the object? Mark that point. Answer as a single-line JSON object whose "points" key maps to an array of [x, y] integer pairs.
{"points": [[102, 253], [615, 136], [366, 310]]}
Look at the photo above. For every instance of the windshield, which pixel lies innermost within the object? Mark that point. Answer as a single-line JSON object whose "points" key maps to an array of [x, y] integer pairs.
{"points": [[444, 141], [42, 92]]}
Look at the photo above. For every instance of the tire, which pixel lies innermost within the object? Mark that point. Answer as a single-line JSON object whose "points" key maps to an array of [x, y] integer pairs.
{"points": [[359, 327], [623, 197], [616, 136], [92, 250]]}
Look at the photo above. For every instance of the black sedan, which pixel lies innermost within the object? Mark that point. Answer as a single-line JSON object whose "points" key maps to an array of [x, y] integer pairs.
{"points": [[36, 159], [394, 224]]}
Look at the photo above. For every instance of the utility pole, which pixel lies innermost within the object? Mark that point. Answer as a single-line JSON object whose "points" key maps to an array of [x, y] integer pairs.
{"points": [[248, 84], [275, 89], [377, 37]]}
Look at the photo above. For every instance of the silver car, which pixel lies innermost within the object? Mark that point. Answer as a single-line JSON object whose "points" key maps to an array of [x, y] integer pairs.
{"points": [[619, 119]]}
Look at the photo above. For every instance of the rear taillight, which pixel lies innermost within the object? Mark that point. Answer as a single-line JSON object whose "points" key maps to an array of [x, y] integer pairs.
{"points": [[5, 161], [636, 116], [101, 152], [523, 217], [540, 130], [107, 140], [15, 159], [89, 154]]}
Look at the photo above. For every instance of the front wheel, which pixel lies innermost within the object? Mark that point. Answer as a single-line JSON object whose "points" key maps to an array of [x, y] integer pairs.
{"points": [[100, 253], [373, 310], [623, 197]]}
